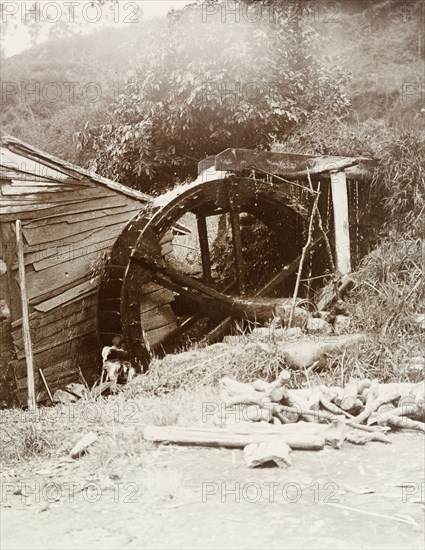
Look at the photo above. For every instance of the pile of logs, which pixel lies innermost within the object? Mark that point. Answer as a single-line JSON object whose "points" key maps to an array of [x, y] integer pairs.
{"points": [[268, 420]]}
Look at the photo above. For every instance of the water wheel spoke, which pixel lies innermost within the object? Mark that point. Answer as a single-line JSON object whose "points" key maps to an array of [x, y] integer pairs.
{"points": [[205, 249], [182, 280], [234, 214], [285, 272], [217, 332]]}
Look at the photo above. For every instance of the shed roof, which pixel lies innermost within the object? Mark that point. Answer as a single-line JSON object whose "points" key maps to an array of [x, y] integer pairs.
{"points": [[19, 160]]}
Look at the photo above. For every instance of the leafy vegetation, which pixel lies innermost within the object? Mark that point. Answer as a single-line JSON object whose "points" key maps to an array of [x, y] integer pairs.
{"points": [[205, 86]]}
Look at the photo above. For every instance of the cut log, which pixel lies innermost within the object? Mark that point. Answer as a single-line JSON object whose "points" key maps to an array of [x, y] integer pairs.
{"points": [[349, 396], [371, 400], [406, 423], [361, 438], [251, 397], [305, 352]]}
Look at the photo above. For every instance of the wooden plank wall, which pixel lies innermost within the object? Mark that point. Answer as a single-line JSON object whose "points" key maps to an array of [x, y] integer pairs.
{"points": [[68, 225]]}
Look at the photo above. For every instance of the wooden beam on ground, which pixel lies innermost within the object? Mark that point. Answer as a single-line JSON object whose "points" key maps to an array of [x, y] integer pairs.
{"points": [[231, 438]]}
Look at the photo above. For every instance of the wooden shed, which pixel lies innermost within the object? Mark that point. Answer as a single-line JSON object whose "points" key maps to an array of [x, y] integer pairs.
{"points": [[70, 217], [84, 258]]}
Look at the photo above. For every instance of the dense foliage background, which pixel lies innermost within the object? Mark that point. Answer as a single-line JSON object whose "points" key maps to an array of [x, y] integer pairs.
{"points": [[148, 101]]}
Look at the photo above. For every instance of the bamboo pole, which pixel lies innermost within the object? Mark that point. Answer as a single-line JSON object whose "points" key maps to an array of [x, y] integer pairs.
{"points": [[303, 254], [26, 335]]}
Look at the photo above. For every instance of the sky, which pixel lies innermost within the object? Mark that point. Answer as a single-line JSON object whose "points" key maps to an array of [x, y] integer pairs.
{"points": [[89, 19]]}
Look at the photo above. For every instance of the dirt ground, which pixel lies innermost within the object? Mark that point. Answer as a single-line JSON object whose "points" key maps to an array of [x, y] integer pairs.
{"points": [[357, 497]]}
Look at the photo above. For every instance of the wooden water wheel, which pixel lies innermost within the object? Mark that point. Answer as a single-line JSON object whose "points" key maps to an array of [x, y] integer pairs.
{"points": [[158, 297]]}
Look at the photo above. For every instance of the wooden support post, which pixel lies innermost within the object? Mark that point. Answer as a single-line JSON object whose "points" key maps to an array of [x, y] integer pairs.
{"points": [[341, 222], [205, 250], [26, 335]]}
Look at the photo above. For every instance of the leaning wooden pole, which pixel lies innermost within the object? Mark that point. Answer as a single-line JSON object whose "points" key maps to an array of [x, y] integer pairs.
{"points": [[26, 335]]}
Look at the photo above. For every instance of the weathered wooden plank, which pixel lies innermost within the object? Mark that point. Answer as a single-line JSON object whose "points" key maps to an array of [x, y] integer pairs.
{"points": [[38, 319], [80, 344], [75, 292], [39, 235], [9, 254], [40, 283], [14, 160], [92, 205], [88, 211], [341, 221], [156, 299], [33, 190], [28, 354], [69, 247], [156, 336], [38, 183], [9, 213], [60, 329], [68, 368], [64, 336], [52, 210], [287, 164], [157, 318], [11, 175], [75, 195], [235, 438], [72, 253], [148, 288]]}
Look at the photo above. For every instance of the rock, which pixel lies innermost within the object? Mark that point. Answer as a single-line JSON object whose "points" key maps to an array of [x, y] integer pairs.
{"points": [[83, 444], [79, 390], [64, 397], [326, 316], [299, 318], [274, 451], [342, 324], [318, 326], [304, 353]]}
